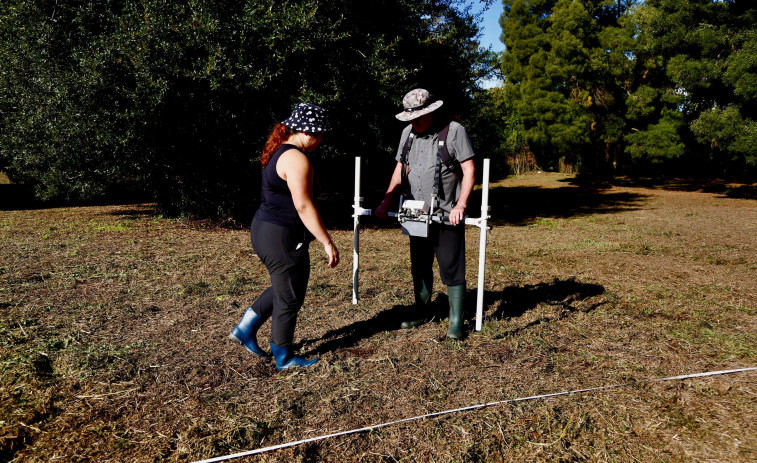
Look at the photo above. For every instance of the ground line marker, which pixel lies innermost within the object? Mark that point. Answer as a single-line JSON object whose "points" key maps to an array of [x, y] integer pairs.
{"points": [[471, 407]]}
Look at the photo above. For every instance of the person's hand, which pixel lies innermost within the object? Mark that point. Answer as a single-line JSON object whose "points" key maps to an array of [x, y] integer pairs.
{"points": [[457, 215], [382, 211], [332, 253]]}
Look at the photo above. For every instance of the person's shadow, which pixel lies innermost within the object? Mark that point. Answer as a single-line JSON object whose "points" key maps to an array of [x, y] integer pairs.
{"points": [[511, 302], [515, 301]]}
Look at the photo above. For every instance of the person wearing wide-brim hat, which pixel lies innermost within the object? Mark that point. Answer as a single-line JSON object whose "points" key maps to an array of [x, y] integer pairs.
{"points": [[284, 225], [420, 172]]}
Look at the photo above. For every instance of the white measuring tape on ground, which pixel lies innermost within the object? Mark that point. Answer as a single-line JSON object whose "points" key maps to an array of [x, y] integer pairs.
{"points": [[456, 410]]}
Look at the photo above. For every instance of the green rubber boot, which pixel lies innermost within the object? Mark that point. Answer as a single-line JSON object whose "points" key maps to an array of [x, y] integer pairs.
{"points": [[456, 295], [422, 289]]}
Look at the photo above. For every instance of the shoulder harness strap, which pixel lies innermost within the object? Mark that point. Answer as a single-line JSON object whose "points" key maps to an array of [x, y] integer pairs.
{"points": [[403, 160], [406, 148], [442, 157], [443, 151]]}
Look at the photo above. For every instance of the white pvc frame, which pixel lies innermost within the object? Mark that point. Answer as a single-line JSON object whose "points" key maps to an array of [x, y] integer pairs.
{"points": [[481, 223]]}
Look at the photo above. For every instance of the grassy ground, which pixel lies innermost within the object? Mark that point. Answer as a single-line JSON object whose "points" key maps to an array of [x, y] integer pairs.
{"points": [[113, 325]]}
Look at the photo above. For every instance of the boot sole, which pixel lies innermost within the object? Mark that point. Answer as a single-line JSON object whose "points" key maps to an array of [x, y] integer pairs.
{"points": [[296, 365], [262, 353]]}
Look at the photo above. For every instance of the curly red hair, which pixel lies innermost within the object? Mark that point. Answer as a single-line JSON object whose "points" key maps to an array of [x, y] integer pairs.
{"points": [[279, 134]]}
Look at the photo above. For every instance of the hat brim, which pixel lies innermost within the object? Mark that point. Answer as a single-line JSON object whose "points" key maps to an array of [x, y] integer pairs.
{"points": [[299, 126], [410, 115]]}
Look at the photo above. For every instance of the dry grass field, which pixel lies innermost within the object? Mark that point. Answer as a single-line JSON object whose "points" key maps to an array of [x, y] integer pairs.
{"points": [[113, 326]]}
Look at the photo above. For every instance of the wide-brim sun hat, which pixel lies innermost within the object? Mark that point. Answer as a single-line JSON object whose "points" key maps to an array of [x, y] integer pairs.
{"points": [[417, 103], [307, 117]]}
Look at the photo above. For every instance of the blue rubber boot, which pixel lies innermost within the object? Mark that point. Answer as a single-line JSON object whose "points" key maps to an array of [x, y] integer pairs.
{"points": [[285, 358], [246, 332]]}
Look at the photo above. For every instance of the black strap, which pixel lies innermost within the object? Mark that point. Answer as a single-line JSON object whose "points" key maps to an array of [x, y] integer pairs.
{"points": [[442, 157], [443, 151], [406, 148], [403, 160]]}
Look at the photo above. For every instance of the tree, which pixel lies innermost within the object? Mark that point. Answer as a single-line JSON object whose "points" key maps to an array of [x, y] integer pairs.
{"points": [[697, 85], [51, 108], [567, 64], [176, 97], [497, 129]]}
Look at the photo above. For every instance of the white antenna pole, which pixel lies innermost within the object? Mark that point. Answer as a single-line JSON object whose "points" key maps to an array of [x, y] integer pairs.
{"points": [[482, 247], [356, 230]]}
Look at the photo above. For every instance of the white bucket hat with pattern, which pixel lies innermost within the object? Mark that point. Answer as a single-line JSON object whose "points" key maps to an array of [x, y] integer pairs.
{"points": [[417, 102]]}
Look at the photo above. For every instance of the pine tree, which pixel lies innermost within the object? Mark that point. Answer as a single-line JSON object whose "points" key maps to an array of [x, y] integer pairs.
{"points": [[696, 94], [567, 66]]}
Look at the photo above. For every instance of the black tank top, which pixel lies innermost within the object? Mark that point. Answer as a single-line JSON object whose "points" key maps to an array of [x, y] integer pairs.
{"points": [[276, 204]]}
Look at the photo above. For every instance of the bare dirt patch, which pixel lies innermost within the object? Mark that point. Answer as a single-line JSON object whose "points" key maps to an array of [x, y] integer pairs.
{"points": [[113, 325]]}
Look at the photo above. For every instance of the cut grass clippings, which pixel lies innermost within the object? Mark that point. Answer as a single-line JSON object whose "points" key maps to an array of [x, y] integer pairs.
{"points": [[114, 324]]}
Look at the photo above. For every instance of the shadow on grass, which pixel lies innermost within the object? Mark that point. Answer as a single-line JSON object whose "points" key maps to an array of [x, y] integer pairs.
{"points": [[742, 192], [350, 335], [725, 187], [523, 205], [135, 211], [516, 301], [513, 302], [15, 197]]}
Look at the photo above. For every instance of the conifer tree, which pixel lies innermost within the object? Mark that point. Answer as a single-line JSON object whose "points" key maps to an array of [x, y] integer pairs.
{"points": [[696, 94], [660, 83], [567, 65]]}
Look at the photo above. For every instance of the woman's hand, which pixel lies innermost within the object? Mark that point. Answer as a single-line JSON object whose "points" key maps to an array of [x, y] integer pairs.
{"points": [[294, 167], [332, 253]]}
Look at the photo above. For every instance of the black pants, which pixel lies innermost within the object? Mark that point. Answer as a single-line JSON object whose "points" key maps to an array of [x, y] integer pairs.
{"points": [[284, 252], [447, 243]]}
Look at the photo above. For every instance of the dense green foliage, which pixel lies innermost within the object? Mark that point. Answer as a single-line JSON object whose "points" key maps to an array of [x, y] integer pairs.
{"points": [[628, 84], [566, 63], [497, 127], [696, 95], [101, 98], [176, 98]]}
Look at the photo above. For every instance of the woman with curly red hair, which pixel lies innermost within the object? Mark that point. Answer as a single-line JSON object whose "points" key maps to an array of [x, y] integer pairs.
{"points": [[283, 227]]}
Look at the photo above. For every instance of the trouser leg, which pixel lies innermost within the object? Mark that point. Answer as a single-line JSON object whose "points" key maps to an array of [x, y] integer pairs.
{"points": [[450, 254], [263, 305], [289, 294], [285, 254], [421, 268]]}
